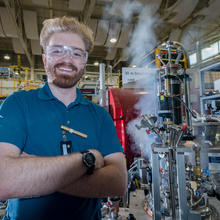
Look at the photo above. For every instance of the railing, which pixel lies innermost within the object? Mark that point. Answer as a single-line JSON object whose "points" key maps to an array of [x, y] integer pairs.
{"points": [[8, 86]]}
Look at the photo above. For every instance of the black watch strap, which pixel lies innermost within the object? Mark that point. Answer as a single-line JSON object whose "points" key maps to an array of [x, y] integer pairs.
{"points": [[90, 170]]}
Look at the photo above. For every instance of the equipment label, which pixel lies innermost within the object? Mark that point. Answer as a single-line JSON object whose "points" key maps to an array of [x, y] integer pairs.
{"points": [[132, 74]]}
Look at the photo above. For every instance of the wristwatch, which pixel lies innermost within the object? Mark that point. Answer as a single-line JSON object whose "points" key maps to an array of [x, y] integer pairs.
{"points": [[88, 159]]}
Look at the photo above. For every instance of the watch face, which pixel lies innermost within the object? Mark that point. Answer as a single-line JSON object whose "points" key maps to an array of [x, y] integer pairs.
{"points": [[89, 159]]}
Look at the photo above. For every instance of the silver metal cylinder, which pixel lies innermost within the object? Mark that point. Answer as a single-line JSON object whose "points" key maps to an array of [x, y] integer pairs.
{"points": [[102, 95]]}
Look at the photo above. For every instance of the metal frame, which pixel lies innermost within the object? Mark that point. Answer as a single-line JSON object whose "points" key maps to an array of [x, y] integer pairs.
{"points": [[184, 212], [202, 87]]}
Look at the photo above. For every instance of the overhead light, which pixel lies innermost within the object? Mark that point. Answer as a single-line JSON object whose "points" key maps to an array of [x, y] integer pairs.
{"points": [[134, 66], [96, 63], [209, 48], [7, 57], [113, 40]]}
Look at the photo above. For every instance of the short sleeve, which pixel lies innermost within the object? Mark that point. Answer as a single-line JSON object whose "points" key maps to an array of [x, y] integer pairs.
{"points": [[109, 142], [12, 122]]}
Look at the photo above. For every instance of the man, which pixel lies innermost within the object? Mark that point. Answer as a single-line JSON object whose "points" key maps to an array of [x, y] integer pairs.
{"points": [[46, 172]]}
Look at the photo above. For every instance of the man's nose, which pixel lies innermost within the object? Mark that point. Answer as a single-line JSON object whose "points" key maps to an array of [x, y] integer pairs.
{"points": [[68, 55]]}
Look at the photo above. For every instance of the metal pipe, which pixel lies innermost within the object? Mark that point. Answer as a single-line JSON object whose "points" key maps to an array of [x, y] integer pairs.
{"points": [[102, 75], [179, 137], [160, 58], [102, 97], [169, 46], [178, 57], [172, 182], [109, 72], [187, 101]]}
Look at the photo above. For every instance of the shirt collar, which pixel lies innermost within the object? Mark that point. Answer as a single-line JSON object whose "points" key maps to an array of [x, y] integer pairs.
{"points": [[46, 94]]}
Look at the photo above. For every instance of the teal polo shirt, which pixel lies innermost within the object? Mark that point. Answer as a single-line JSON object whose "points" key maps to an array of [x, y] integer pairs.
{"points": [[31, 121]]}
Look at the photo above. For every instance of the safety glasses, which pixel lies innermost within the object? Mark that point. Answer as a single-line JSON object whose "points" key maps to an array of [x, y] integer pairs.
{"points": [[57, 52]]}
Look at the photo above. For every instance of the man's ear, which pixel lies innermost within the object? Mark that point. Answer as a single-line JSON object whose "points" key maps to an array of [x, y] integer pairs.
{"points": [[44, 58]]}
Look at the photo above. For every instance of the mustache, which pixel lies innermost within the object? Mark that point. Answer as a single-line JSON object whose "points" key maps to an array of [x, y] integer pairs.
{"points": [[68, 65]]}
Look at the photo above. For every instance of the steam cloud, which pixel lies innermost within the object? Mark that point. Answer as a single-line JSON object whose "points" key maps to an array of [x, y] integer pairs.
{"points": [[141, 42], [142, 38], [146, 105]]}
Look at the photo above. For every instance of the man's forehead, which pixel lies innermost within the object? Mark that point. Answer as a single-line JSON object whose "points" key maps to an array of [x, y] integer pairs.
{"points": [[67, 39]]}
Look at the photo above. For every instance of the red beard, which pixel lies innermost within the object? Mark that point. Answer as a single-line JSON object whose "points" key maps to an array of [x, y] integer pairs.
{"points": [[67, 81]]}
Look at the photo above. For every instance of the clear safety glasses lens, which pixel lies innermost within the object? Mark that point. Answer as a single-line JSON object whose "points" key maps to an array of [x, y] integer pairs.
{"points": [[58, 52]]}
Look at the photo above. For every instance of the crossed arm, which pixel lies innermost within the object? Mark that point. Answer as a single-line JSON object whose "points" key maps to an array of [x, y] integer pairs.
{"points": [[28, 176], [110, 180]]}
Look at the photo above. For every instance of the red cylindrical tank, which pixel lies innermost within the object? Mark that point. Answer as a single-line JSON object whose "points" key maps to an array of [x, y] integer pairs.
{"points": [[122, 109]]}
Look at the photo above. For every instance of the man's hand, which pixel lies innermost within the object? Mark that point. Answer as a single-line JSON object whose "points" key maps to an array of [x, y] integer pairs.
{"points": [[99, 163]]}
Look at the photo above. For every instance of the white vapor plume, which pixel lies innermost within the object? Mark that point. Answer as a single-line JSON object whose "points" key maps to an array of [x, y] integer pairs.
{"points": [[125, 9], [142, 41], [144, 19], [146, 105], [122, 9], [143, 38]]}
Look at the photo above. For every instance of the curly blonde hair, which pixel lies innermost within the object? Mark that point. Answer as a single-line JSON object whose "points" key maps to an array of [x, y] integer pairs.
{"points": [[66, 24]]}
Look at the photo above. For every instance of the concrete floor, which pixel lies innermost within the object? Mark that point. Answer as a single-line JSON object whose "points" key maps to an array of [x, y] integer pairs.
{"points": [[136, 207]]}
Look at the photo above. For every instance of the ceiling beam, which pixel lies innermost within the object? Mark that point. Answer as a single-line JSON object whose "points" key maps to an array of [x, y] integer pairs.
{"points": [[50, 8], [118, 58], [11, 6], [88, 10]]}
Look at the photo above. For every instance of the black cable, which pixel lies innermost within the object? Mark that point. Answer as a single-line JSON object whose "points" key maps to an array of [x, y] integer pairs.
{"points": [[189, 110]]}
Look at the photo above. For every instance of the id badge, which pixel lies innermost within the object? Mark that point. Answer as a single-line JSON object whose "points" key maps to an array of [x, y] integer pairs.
{"points": [[66, 147]]}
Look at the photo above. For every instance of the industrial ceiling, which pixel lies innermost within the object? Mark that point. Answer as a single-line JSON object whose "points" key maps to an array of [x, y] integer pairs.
{"points": [[138, 26]]}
